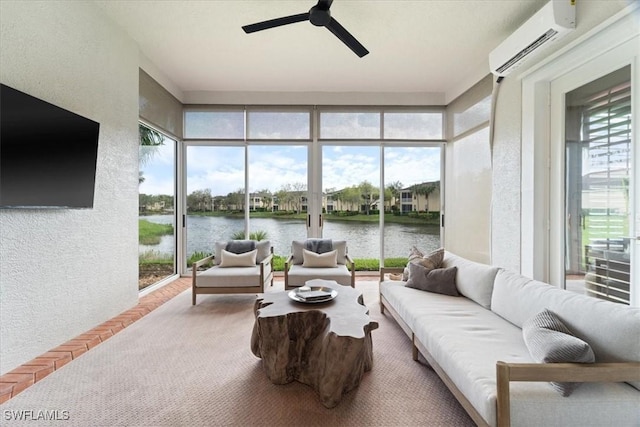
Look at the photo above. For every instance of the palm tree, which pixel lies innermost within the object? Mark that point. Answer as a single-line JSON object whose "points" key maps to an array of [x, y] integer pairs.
{"points": [[395, 189], [150, 140], [423, 189], [428, 189]]}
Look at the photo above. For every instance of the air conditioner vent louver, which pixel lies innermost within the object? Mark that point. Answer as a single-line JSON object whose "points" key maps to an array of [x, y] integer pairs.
{"points": [[527, 50], [549, 24]]}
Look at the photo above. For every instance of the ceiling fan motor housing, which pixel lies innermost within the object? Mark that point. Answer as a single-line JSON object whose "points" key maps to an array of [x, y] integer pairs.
{"points": [[319, 17]]}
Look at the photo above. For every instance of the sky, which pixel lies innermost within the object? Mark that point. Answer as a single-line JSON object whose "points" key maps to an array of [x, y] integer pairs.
{"points": [[221, 169]]}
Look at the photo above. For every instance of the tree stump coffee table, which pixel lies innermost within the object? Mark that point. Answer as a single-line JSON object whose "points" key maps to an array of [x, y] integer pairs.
{"points": [[326, 345]]}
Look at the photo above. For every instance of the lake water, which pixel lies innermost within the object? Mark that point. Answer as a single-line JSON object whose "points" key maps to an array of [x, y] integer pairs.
{"points": [[363, 238]]}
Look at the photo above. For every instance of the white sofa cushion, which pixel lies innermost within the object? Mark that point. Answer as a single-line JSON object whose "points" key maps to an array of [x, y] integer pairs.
{"points": [[605, 325], [506, 289], [474, 280], [465, 339]]}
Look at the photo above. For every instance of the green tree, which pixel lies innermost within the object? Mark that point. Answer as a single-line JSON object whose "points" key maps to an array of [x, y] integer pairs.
{"points": [[236, 199], [200, 201], [352, 196], [298, 190]]}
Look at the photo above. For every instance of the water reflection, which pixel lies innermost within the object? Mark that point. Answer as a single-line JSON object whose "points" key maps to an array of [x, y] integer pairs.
{"points": [[363, 237]]}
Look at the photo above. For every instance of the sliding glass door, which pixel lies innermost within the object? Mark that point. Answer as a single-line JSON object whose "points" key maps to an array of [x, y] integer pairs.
{"points": [[598, 187], [412, 199], [215, 197], [350, 179], [381, 179], [157, 214]]}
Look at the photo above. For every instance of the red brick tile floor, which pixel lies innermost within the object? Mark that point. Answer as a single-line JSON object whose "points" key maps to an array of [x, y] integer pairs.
{"points": [[19, 379]]}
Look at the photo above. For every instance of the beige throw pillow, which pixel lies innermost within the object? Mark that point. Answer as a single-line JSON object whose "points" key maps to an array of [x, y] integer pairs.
{"points": [[313, 260], [229, 259], [431, 261]]}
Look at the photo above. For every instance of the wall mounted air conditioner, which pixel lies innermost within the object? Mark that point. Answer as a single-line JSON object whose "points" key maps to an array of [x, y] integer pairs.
{"points": [[555, 20]]}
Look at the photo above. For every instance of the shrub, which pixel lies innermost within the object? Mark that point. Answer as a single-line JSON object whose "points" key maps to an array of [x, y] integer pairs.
{"points": [[255, 235], [370, 264], [196, 256]]}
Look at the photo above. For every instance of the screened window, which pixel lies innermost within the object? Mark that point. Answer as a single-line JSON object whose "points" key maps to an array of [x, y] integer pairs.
{"points": [[412, 125], [214, 124], [279, 125], [349, 125], [398, 124]]}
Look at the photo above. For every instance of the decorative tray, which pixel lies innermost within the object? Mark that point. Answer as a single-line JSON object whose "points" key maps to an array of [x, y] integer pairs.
{"points": [[313, 294]]}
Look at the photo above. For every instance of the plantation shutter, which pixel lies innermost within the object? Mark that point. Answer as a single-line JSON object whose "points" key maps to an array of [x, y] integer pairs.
{"points": [[606, 142]]}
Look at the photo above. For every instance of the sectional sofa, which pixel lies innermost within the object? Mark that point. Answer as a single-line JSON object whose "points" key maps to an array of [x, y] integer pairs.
{"points": [[475, 343]]}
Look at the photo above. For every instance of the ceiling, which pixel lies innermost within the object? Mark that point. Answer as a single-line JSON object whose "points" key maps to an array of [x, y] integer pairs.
{"points": [[416, 46]]}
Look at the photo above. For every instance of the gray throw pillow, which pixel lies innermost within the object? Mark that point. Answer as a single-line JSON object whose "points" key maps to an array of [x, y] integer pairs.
{"points": [[438, 280], [550, 341]]}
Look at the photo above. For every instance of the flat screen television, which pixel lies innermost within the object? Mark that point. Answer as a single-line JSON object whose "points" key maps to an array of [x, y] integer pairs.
{"points": [[47, 154]]}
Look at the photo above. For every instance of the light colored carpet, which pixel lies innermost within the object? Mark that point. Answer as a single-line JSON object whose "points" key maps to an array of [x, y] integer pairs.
{"points": [[192, 366]]}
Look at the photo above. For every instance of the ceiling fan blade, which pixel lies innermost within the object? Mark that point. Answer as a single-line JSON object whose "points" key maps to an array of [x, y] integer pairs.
{"points": [[272, 23], [324, 4], [340, 32]]}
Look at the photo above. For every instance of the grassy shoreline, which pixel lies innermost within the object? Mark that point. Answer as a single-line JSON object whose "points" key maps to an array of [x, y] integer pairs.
{"points": [[362, 264], [150, 233], [388, 218]]}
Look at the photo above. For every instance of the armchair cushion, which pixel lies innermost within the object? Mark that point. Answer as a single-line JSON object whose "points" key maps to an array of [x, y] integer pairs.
{"points": [[324, 260], [246, 259], [298, 275], [237, 277], [297, 246]]}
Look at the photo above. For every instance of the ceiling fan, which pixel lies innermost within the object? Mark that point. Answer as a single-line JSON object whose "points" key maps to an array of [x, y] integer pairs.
{"points": [[320, 16]]}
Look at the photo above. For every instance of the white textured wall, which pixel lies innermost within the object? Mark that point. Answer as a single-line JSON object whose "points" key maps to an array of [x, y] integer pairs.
{"points": [[468, 196], [62, 272], [468, 174], [505, 212]]}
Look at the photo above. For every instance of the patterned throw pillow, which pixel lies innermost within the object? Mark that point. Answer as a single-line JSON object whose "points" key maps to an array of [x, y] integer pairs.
{"points": [[550, 341], [431, 261]]}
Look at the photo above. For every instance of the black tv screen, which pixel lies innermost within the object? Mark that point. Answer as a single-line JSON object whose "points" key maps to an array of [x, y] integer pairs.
{"points": [[47, 154]]}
